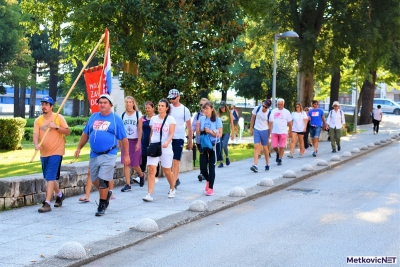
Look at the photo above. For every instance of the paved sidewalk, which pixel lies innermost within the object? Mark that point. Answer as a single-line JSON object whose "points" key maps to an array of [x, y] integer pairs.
{"points": [[30, 238]]}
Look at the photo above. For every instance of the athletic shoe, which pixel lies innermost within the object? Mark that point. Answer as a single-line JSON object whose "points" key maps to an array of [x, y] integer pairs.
{"points": [[148, 198], [177, 183], [277, 157], [45, 208], [338, 148], [210, 192], [227, 161], [171, 193], [200, 177], [59, 201], [254, 168], [280, 162], [126, 188], [135, 180], [141, 184], [300, 155], [101, 209], [207, 186], [221, 165], [290, 155], [267, 168], [314, 154], [334, 151]]}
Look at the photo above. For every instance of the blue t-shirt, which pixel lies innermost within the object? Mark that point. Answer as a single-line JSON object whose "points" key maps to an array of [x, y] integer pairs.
{"points": [[316, 117], [212, 125], [104, 133]]}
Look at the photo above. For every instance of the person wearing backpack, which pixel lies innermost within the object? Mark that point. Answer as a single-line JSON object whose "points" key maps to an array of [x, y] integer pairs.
{"points": [[227, 132], [259, 129], [335, 122], [196, 118], [52, 150]]}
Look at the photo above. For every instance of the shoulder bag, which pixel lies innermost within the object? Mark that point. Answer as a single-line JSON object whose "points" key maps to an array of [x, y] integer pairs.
{"points": [[155, 149]]}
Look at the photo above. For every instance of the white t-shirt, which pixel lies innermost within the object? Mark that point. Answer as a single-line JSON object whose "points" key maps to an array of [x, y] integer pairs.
{"points": [[155, 124], [298, 121], [131, 124], [377, 114], [280, 119], [181, 115], [261, 119]]}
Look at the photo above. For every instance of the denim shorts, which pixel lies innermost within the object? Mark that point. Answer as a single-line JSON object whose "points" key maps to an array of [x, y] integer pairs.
{"points": [[315, 131], [177, 148], [261, 137]]}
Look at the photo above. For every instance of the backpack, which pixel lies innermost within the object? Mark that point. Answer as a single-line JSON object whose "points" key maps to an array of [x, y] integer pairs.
{"points": [[258, 109], [56, 121], [137, 115], [341, 115], [235, 115]]}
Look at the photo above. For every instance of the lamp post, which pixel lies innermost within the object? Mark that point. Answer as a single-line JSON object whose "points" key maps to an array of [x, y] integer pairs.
{"points": [[288, 34]]}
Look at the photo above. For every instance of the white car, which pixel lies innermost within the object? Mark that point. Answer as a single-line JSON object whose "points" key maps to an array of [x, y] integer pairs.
{"points": [[387, 105]]}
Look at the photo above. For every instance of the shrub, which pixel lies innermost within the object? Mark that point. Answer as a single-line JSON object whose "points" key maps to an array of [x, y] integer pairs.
{"points": [[11, 133], [75, 131]]}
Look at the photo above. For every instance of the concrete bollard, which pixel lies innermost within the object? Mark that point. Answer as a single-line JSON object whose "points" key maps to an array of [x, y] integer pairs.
{"points": [[237, 192], [289, 174], [371, 145], [364, 148], [71, 251], [266, 182], [355, 150], [146, 225], [198, 206], [377, 143], [322, 162], [335, 158], [307, 167], [346, 154]]}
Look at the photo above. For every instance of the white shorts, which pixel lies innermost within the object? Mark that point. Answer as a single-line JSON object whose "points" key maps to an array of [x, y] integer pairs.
{"points": [[165, 158]]}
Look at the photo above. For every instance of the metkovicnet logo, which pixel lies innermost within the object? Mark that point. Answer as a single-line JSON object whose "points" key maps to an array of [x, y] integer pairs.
{"points": [[371, 260]]}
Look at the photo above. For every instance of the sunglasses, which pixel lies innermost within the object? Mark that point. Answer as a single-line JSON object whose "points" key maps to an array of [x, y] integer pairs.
{"points": [[297, 106], [173, 98], [265, 106], [316, 104]]}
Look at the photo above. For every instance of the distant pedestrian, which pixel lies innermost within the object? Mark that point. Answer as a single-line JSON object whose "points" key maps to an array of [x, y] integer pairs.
{"points": [[132, 119], [227, 132], [211, 126], [52, 150], [103, 131], [377, 118], [259, 129], [335, 123], [279, 122], [162, 127], [299, 122], [235, 114], [195, 119], [317, 122], [307, 142], [182, 117]]}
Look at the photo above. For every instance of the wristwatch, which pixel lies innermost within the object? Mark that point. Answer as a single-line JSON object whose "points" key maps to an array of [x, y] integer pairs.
{"points": [[58, 127]]}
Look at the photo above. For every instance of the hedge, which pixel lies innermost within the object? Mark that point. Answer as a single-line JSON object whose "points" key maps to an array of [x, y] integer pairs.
{"points": [[71, 121], [11, 133], [77, 130]]}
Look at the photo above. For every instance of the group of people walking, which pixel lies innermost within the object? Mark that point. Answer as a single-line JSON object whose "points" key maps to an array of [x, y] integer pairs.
{"points": [[279, 124]]}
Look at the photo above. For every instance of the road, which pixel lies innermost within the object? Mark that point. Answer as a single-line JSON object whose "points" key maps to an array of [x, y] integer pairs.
{"points": [[352, 210]]}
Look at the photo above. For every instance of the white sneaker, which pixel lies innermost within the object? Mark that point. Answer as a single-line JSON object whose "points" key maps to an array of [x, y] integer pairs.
{"points": [[148, 198], [171, 193], [156, 181]]}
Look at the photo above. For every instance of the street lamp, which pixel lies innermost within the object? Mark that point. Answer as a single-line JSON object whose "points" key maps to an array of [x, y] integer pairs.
{"points": [[288, 34]]}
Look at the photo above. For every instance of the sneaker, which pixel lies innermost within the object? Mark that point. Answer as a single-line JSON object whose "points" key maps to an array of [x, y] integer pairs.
{"points": [[267, 168], [200, 177], [207, 186], [45, 208], [374, 132], [290, 155], [300, 155], [101, 209], [126, 188], [221, 165], [141, 184], [277, 157], [254, 168], [59, 201], [171, 193], [177, 183], [227, 161], [314, 154], [338, 148], [148, 198], [109, 194], [334, 151], [280, 162], [210, 192], [135, 180]]}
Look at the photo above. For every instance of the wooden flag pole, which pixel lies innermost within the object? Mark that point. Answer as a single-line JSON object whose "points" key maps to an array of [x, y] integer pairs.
{"points": [[70, 91], [106, 44]]}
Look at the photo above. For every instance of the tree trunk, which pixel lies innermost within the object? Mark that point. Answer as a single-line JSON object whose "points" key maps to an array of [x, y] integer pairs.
{"points": [[223, 95], [367, 92], [22, 98], [53, 80], [306, 86], [86, 108], [32, 98], [335, 84], [75, 107], [16, 99]]}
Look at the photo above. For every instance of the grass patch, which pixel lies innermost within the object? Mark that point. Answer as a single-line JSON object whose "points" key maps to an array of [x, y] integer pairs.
{"points": [[236, 153]]}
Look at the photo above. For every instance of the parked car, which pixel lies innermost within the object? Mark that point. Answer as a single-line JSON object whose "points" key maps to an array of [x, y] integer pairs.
{"points": [[387, 105]]}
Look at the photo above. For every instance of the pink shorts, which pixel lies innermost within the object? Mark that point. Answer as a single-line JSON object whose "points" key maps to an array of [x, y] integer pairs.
{"points": [[278, 140]]}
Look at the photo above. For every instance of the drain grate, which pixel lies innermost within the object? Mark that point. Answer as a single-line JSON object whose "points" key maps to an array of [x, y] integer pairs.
{"points": [[305, 191]]}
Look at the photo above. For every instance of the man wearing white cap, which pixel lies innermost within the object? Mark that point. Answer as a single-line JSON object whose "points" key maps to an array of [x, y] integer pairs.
{"points": [[182, 117], [335, 122], [103, 131]]}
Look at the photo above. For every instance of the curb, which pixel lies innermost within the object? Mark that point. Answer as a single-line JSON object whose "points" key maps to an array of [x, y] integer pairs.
{"points": [[130, 238]]}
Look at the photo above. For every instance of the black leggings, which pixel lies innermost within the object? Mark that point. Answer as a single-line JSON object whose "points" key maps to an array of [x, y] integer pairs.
{"points": [[207, 166], [376, 125]]}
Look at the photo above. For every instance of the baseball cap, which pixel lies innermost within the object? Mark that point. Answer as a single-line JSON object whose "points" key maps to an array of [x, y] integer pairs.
{"points": [[335, 103], [173, 93], [267, 102], [222, 104], [108, 97], [47, 99]]}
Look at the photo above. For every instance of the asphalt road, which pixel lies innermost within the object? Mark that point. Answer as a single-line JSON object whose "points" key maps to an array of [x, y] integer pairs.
{"points": [[352, 210]]}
